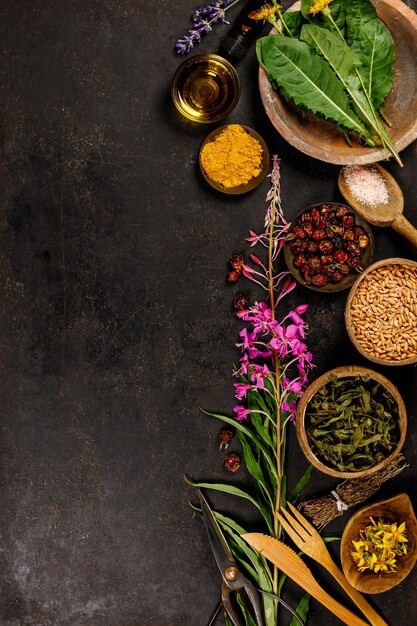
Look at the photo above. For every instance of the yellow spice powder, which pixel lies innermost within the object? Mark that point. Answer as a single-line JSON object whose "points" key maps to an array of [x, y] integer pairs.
{"points": [[233, 158]]}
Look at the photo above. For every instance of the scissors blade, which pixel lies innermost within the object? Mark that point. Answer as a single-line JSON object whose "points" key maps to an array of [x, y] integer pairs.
{"points": [[218, 543]]}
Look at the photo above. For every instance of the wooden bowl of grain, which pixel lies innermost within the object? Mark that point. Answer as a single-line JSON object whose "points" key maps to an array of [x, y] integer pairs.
{"points": [[303, 419], [381, 312]]}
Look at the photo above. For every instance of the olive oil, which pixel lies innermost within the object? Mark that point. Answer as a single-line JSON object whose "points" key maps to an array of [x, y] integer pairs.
{"points": [[205, 88]]}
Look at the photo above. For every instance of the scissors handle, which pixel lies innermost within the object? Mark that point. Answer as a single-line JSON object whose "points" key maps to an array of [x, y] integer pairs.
{"points": [[230, 610]]}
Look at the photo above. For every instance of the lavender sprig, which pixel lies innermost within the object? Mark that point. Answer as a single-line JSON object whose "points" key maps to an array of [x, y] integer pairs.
{"points": [[203, 18]]}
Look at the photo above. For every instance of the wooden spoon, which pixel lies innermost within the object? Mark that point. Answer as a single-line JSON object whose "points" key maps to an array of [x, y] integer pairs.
{"points": [[390, 214]]}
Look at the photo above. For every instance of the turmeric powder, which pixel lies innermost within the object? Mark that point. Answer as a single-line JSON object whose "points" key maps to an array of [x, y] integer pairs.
{"points": [[233, 158]]}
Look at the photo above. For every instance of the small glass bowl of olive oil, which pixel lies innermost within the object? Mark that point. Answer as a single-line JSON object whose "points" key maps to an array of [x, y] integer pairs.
{"points": [[205, 88]]}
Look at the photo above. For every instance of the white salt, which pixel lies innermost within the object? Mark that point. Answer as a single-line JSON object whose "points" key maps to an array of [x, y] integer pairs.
{"points": [[366, 184]]}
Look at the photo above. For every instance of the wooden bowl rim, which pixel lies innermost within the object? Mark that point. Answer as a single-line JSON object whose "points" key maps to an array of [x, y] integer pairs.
{"points": [[348, 317], [366, 582], [368, 154], [346, 371]]}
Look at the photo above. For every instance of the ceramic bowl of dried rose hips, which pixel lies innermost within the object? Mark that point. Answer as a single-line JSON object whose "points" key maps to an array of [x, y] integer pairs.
{"points": [[327, 246]]}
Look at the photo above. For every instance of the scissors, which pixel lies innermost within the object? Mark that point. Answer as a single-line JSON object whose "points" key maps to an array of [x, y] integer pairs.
{"points": [[233, 579]]}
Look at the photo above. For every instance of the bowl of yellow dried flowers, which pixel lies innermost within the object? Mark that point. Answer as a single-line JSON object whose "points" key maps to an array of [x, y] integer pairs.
{"points": [[234, 159], [379, 545]]}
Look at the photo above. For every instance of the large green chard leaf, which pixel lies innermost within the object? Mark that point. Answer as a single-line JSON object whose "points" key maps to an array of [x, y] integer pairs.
{"points": [[300, 74], [373, 45]]}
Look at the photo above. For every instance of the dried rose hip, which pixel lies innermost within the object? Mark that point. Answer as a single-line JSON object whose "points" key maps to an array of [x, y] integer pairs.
{"points": [[337, 277], [352, 247], [305, 218], [232, 462], [353, 262], [225, 436], [340, 256], [363, 242], [325, 246], [314, 263], [358, 230], [308, 229], [349, 235], [300, 260], [315, 213], [240, 302], [298, 245], [306, 271], [237, 262], [319, 280], [343, 268], [319, 234], [320, 221], [312, 247], [298, 232], [335, 230], [233, 276], [348, 220], [326, 259], [341, 211]]}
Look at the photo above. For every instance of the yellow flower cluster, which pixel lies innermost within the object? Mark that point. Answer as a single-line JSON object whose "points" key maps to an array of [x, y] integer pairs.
{"points": [[318, 6], [378, 546], [266, 12]]}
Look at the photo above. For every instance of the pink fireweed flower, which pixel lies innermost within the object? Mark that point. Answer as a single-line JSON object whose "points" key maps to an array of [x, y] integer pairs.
{"points": [[258, 373], [290, 408], [241, 412], [241, 390], [254, 353], [244, 365], [248, 339], [292, 386]]}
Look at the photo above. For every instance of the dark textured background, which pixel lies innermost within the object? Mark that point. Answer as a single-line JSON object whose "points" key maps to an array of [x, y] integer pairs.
{"points": [[116, 324]]}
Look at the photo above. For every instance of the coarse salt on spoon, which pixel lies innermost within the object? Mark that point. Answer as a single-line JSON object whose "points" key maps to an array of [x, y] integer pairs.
{"points": [[389, 213]]}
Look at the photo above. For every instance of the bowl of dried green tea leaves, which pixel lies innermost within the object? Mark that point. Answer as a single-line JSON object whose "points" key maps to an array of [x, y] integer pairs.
{"points": [[351, 422]]}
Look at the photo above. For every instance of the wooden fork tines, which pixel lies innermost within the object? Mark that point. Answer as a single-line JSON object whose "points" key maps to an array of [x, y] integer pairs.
{"points": [[308, 540]]}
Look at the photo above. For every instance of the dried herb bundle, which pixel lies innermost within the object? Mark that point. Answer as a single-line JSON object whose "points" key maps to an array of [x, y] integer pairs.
{"points": [[352, 491], [352, 423]]}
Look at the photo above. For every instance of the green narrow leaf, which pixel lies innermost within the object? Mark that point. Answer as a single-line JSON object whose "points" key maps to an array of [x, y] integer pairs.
{"points": [[231, 489], [249, 621], [302, 609], [254, 467], [302, 483], [302, 75], [372, 43]]}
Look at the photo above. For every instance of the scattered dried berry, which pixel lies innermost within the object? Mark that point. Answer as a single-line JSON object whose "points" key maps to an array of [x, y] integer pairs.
{"points": [[299, 233], [225, 436], [319, 280], [240, 302], [325, 246], [340, 256], [319, 234], [233, 276], [237, 262], [298, 245], [232, 462]]}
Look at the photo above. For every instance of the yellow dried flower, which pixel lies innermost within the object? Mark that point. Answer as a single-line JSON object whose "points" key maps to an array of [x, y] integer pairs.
{"points": [[265, 13], [378, 546], [318, 6]]}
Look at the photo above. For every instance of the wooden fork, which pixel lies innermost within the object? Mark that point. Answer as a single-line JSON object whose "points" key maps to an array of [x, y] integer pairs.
{"points": [[308, 540]]}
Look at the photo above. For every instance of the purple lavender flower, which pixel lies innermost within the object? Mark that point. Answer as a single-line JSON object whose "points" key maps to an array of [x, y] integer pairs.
{"points": [[203, 18]]}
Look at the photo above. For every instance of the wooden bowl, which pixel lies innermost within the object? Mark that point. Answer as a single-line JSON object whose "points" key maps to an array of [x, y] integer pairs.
{"points": [[323, 140], [253, 182], [346, 372], [361, 345], [348, 280], [398, 509]]}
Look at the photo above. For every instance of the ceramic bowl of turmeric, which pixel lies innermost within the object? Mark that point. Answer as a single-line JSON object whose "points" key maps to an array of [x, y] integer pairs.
{"points": [[234, 159]]}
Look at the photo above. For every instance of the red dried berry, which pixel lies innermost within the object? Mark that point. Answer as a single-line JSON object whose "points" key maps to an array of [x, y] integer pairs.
{"points": [[320, 221], [341, 211], [240, 302], [315, 213], [305, 218], [306, 271], [312, 247], [315, 263], [237, 262], [363, 242], [326, 259], [232, 462], [336, 230], [358, 230], [352, 247], [299, 233], [337, 277], [325, 209], [233, 276], [319, 280], [319, 234], [225, 436], [343, 268], [325, 246], [349, 235], [308, 229], [348, 220], [340, 256], [353, 262], [298, 245], [300, 260]]}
